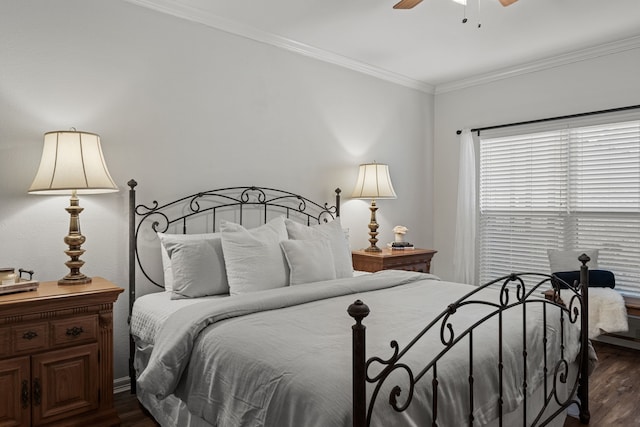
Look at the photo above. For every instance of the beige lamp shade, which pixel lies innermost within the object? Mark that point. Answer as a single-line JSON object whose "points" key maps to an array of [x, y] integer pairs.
{"points": [[374, 182], [72, 160]]}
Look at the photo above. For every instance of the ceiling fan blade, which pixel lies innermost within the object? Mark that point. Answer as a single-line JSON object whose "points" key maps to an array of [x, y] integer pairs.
{"points": [[506, 3], [407, 4]]}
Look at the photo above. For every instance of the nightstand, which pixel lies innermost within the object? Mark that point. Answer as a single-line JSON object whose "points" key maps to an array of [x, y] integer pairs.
{"points": [[56, 355], [393, 259]]}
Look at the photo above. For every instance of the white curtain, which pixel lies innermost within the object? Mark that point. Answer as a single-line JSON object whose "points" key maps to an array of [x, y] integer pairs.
{"points": [[464, 249]]}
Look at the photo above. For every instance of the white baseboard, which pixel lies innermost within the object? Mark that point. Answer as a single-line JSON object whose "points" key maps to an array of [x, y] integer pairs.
{"points": [[120, 385]]}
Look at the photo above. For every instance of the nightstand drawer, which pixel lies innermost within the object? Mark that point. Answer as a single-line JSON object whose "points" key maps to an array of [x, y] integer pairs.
{"points": [[30, 337], [406, 260], [421, 266], [74, 330]]}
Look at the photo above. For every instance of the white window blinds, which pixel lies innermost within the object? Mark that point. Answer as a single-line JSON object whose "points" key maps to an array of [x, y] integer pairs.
{"points": [[571, 188]]}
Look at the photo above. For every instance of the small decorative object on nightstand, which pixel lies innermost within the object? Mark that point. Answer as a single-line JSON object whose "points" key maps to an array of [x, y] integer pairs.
{"points": [[56, 355], [11, 282], [391, 259], [399, 232]]}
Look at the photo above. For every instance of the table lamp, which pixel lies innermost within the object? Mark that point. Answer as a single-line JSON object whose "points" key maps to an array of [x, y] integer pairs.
{"points": [[72, 163], [373, 183]]}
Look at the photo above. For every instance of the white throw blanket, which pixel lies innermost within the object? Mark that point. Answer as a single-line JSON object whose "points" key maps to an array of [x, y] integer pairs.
{"points": [[607, 311]]}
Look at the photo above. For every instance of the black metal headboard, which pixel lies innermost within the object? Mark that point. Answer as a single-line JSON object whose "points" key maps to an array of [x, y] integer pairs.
{"points": [[235, 201], [209, 207]]}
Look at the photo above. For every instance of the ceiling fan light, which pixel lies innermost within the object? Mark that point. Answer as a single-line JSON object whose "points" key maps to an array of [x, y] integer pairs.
{"points": [[462, 2]]}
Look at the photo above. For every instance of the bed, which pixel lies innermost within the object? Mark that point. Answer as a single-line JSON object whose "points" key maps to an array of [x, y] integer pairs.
{"points": [[278, 337]]}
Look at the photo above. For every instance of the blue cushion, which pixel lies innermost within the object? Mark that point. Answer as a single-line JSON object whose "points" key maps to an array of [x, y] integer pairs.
{"points": [[597, 278]]}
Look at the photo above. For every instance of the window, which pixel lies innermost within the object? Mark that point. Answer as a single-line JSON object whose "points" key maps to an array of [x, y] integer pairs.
{"points": [[571, 188]]}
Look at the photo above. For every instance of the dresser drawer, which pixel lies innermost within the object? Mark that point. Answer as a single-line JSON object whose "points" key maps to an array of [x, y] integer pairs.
{"points": [[74, 330], [30, 337]]}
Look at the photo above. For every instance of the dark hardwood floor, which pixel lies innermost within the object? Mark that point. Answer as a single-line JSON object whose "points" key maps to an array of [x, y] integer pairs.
{"points": [[131, 411], [614, 393]]}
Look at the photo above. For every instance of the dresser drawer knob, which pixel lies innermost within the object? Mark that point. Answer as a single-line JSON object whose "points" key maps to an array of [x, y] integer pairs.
{"points": [[29, 335], [75, 331]]}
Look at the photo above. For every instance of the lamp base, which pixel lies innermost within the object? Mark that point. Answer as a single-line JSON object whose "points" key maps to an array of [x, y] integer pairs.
{"points": [[75, 240], [80, 279], [373, 229]]}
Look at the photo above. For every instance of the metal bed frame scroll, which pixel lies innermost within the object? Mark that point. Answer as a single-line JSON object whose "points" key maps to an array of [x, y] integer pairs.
{"points": [[211, 205], [577, 303]]}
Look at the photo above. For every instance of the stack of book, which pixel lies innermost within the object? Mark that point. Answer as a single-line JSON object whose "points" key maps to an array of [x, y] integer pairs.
{"points": [[401, 245]]}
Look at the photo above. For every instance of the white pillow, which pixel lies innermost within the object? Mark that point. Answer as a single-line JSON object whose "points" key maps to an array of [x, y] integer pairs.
{"points": [[560, 260], [253, 258], [194, 267], [337, 240], [195, 272], [309, 260]]}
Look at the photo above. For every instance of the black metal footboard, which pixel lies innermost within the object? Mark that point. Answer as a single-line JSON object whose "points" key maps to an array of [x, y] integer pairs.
{"points": [[528, 289]]}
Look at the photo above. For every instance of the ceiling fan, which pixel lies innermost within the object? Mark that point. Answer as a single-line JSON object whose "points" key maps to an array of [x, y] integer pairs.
{"points": [[409, 4]]}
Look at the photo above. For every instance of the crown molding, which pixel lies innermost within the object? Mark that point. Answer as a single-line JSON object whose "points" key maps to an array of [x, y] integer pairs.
{"points": [[543, 64], [178, 9]]}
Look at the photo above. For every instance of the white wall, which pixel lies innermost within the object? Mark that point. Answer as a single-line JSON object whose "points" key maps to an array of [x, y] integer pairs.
{"points": [[182, 107], [608, 81]]}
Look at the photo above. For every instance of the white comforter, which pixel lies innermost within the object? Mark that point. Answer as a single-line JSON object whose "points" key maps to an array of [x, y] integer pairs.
{"points": [[283, 357]]}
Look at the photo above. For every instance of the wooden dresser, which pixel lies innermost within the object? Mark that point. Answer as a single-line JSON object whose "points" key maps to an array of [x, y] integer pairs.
{"points": [[390, 259], [56, 355]]}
